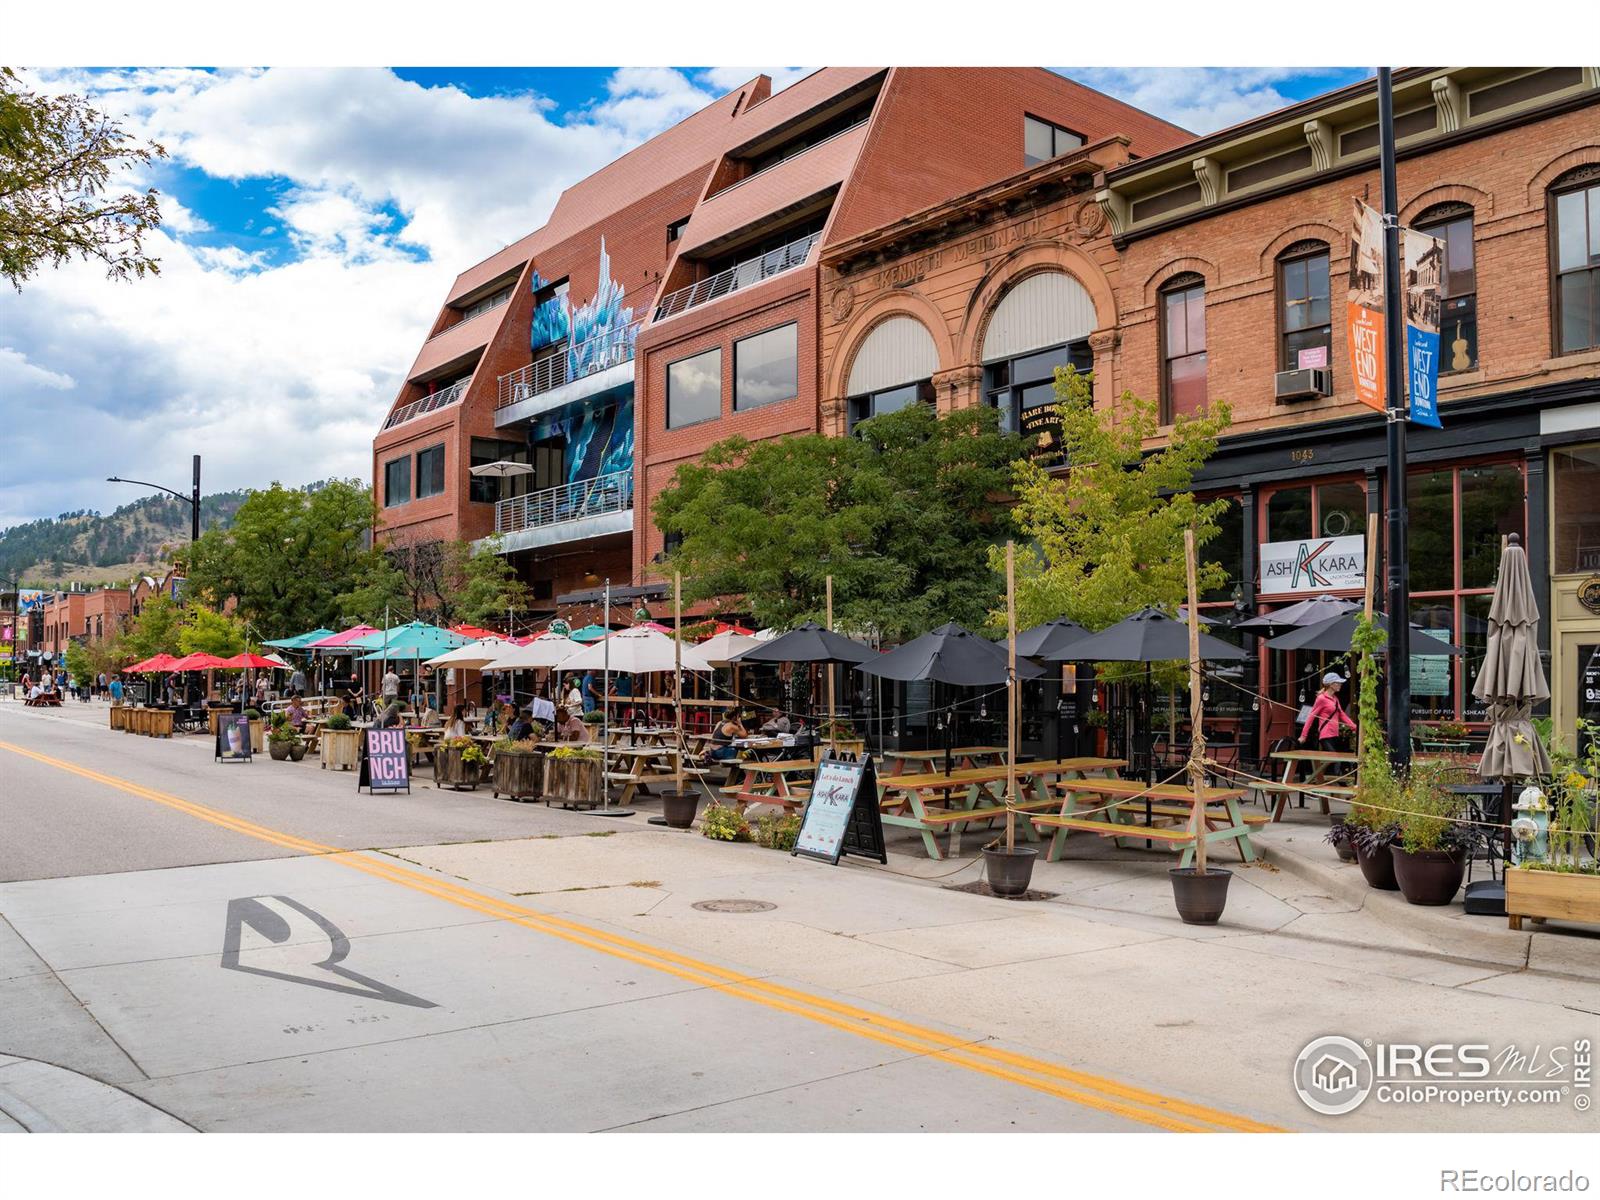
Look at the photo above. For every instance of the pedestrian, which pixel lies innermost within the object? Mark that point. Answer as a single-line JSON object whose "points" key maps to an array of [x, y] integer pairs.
{"points": [[116, 690], [591, 692], [297, 682], [1327, 715], [391, 685], [573, 697], [262, 692]]}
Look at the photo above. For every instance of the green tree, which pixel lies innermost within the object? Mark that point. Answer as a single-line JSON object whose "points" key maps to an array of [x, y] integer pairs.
{"points": [[204, 630], [1106, 539], [488, 591], [154, 631], [57, 160], [444, 582], [901, 516]]}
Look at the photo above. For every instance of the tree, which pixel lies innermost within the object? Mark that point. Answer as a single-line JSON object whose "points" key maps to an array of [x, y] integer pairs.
{"points": [[57, 160], [444, 582], [900, 515], [489, 592], [1107, 539], [205, 630], [154, 631]]}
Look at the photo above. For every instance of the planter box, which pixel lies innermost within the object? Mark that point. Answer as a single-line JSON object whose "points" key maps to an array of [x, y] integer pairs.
{"points": [[215, 717], [519, 774], [117, 715], [449, 771], [258, 736], [574, 782], [340, 748], [1552, 895], [159, 722]]}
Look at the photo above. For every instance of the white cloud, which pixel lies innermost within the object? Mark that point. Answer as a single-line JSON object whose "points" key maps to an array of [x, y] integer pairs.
{"points": [[1202, 99], [724, 79], [17, 372]]}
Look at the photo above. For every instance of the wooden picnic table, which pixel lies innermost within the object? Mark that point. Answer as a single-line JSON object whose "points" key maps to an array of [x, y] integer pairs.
{"points": [[1319, 761], [770, 783], [905, 799], [1170, 803], [643, 735], [961, 756], [639, 767]]}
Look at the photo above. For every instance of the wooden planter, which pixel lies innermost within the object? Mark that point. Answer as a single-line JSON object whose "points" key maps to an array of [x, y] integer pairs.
{"points": [[1552, 895], [449, 771], [575, 782], [258, 736], [855, 746], [118, 716], [519, 774], [340, 748], [215, 717], [159, 722]]}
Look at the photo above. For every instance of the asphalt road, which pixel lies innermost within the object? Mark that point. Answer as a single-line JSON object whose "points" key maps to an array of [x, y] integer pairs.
{"points": [[247, 977]]}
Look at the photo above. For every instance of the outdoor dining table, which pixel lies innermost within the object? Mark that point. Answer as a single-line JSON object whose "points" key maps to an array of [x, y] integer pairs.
{"points": [[974, 794], [1319, 761], [1165, 802], [773, 783], [639, 766], [902, 762]]}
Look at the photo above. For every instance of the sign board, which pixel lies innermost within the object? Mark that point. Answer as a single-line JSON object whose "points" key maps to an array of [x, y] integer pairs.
{"points": [[1043, 423], [842, 817], [233, 739], [1431, 673], [385, 761], [1312, 356], [1313, 565], [1364, 307]]}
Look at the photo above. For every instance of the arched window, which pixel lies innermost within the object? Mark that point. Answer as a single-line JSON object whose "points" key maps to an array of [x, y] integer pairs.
{"points": [[1183, 347], [1575, 258], [1458, 285], [1305, 323], [1043, 323], [893, 368]]}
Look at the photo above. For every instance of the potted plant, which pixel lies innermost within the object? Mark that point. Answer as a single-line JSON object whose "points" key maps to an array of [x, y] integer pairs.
{"points": [[258, 730], [518, 769], [842, 736], [1338, 836], [457, 763], [723, 824], [1095, 719], [340, 743], [280, 738], [678, 808], [297, 747], [778, 831], [1567, 886], [573, 775], [1432, 844], [1370, 822]]}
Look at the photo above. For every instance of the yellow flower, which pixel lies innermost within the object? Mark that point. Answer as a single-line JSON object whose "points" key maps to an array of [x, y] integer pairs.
{"points": [[1576, 781]]}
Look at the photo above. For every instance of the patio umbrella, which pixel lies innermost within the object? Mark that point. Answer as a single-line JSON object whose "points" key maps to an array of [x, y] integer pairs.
{"points": [[721, 648], [475, 632], [1049, 637], [253, 661], [1298, 616], [417, 640], [474, 656], [300, 641], [160, 662], [501, 470], [200, 661], [949, 654], [1335, 634], [589, 633], [809, 643], [278, 661], [1512, 680], [634, 651], [339, 642], [546, 650]]}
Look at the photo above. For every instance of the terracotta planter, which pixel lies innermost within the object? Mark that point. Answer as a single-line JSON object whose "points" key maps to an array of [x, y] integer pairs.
{"points": [[1552, 895], [1378, 868], [574, 781], [449, 771], [1429, 876], [340, 748], [518, 774]]}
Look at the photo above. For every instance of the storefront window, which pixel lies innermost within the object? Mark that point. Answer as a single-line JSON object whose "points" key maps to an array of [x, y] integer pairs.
{"points": [[1575, 484], [1227, 548], [1430, 501], [1491, 507], [1475, 641], [1289, 514], [1341, 509], [1432, 675]]}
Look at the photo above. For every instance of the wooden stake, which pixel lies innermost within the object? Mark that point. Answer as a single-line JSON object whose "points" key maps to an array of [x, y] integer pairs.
{"points": [[677, 676], [1011, 696], [829, 667], [1197, 739]]}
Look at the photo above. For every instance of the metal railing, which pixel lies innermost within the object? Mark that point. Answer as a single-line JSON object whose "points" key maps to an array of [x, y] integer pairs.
{"points": [[569, 502], [440, 399], [736, 277], [589, 357]]}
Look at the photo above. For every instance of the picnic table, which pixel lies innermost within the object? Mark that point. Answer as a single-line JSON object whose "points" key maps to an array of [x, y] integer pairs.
{"points": [[963, 757], [1319, 761], [1170, 804], [771, 783], [638, 766], [643, 735], [968, 796]]}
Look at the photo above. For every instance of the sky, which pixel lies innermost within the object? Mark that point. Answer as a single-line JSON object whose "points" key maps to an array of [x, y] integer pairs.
{"points": [[313, 220]]}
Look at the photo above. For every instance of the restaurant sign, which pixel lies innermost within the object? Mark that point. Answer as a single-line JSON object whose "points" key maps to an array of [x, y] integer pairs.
{"points": [[385, 761], [1313, 565], [842, 817]]}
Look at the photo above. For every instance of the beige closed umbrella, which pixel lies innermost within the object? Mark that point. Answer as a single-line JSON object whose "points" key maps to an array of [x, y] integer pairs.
{"points": [[1512, 680]]}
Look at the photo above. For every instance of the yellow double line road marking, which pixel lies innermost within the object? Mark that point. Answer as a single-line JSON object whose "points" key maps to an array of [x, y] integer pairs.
{"points": [[1091, 1091]]}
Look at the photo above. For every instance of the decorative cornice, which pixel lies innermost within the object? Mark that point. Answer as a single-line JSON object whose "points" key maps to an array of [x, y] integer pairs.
{"points": [[1447, 99], [1319, 136], [1209, 176], [1115, 207]]}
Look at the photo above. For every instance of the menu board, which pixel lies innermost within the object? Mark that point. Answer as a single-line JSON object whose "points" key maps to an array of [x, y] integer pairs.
{"points": [[842, 816], [385, 761], [233, 739]]}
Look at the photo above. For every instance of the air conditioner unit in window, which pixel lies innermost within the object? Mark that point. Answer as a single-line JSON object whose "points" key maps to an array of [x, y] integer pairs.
{"points": [[1302, 384]]}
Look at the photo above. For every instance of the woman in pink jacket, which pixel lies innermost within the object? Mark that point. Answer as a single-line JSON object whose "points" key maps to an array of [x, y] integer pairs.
{"points": [[1327, 714]]}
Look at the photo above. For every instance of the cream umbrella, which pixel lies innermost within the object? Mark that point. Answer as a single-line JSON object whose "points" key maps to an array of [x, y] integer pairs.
{"points": [[721, 649], [474, 656], [545, 651], [635, 651]]}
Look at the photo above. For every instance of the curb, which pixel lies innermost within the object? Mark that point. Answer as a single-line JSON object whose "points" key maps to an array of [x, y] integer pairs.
{"points": [[40, 1097]]}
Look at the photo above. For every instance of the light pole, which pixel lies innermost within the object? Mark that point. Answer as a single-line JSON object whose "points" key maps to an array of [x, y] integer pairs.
{"points": [[193, 498]]}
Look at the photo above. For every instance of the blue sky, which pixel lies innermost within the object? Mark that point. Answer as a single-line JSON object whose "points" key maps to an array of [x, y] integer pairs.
{"points": [[314, 219]]}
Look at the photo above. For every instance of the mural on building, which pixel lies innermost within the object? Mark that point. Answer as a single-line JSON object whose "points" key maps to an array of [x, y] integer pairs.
{"points": [[599, 437], [599, 334], [550, 318]]}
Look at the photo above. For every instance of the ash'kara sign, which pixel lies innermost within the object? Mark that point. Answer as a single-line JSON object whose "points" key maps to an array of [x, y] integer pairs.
{"points": [[842, 816], [1313, 565], [385, 762]]}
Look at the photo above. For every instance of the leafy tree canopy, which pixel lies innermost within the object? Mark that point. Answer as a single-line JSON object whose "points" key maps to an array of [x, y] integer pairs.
{"points": [[154, 631], [901, 515], [443, 582], [207, 631]]}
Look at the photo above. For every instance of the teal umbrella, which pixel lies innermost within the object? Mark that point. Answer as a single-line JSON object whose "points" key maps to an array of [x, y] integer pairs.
{"points": [[589, 633], [415, 640], [300, 641]]}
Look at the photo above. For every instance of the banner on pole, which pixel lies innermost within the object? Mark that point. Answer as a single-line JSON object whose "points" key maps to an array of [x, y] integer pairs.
{"points": [[1423, 257], [1364, 308]]}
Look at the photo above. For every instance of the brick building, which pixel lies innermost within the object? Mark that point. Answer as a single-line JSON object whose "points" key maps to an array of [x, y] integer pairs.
{"points": [[1217, 269], [671, 300]]}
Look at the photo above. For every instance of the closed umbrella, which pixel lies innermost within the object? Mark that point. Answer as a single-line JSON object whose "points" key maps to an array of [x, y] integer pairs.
{"points": [[1512, 680], [1335, 634]]}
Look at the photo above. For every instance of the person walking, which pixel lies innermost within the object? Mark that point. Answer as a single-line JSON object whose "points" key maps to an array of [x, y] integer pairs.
{"points": [[297, 682], [391, 685], [262, 692], [1327, 716]]}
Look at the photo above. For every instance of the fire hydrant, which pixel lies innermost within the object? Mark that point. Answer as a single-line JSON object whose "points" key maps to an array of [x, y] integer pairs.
{"points": [[1531, 829]]}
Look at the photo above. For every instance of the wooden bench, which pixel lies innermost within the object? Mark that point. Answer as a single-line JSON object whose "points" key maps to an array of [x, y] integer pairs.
{"points": [[47, 700], [1174, 810], [1322, 791], [1113, 828]]}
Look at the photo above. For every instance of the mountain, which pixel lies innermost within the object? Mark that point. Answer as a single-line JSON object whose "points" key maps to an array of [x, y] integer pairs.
{"points": [[88, 547]]}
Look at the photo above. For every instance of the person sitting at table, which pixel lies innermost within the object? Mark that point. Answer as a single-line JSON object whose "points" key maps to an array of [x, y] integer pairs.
{"points": [[390, 717], [519, 727], [430, 717], [458, 722], [778, 722], [569, 726], [1327, 716], [722, 737], [295, 715]]}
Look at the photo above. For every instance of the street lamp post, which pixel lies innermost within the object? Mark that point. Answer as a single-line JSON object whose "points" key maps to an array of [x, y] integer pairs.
{"points": [[193, 499]]}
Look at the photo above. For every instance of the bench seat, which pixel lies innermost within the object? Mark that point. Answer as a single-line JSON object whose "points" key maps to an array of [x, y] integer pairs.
{"points": [[1113, 828], [1178, 810]]}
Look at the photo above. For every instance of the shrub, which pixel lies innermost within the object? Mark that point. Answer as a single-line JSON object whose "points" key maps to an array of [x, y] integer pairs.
{"points": [[1431, 820], [506, 744], [593, 718], [581, 752], [778, 831], [253, 713], [339, 721], [722, 824]]}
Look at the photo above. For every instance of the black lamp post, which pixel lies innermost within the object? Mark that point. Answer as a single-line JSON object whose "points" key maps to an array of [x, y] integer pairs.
{"points": [[193, 498]]}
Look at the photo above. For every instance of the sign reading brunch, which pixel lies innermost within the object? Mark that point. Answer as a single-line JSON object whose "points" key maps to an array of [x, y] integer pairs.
{"points": [[385, 762]]}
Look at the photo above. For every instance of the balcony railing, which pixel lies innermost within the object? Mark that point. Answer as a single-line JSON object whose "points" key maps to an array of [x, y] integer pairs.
{"points": [[588, 357], [569, 502], [440, 399], [741, 275]]}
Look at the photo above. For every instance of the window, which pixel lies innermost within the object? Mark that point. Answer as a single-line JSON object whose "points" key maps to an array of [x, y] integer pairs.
{"points": [[1042, 141], [1327, 510], [1458, 287], [1304, 324], [493, 300], [396, 482], [875, 404], [1575, 484], [486, 489], [1183, 348], [1576, 249], [766, 368], [675, 230], [1018, 386], [694, 389], [430, 472]]}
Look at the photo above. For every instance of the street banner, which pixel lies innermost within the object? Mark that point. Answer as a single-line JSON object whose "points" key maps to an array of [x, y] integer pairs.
{"points": [[1424, 259], [1364, 308]]}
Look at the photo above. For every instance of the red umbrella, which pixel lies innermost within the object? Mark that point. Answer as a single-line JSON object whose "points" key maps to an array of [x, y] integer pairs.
{"points": [[724, 627], [250, 660], [161, 662], [198, 661], [475, 632]]}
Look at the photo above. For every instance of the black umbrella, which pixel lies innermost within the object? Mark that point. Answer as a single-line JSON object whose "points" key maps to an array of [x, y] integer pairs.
{"points": [[1049, 637], [1298, 616], [808, 643], [949, 654], [1147, 636], [1335, 634]]}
